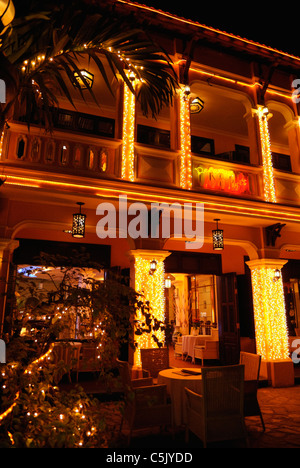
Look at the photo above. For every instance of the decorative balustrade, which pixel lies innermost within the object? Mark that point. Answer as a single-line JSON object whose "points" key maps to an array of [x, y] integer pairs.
{"points": [[88, 155], [61, 151]]}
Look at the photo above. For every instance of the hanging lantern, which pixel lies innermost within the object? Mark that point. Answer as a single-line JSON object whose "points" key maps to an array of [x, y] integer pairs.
{"points": [[217, 236], [84, 79], [78, 227], [196, 105], [153, 264]]}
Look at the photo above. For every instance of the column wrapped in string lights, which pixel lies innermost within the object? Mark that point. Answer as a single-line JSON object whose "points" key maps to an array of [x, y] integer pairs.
{"points": [[269, 309], [127, 171], [152, 287], [1, 143], [185, 140], [268, 177]]}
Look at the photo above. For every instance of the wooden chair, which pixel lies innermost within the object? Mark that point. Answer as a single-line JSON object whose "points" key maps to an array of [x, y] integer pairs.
{"points": [[144, 406], [154, 360], [251, 363], [209, 351], [218, 413]]}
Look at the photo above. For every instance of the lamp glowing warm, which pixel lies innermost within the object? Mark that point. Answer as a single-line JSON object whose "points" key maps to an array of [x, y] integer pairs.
{"points": [[84, 79], [196, 105], [218, 238], [78, 226]]}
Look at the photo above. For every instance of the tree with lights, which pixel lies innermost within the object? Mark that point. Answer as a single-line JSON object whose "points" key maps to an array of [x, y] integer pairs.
{"points": [[35, 412], [41, 49]]}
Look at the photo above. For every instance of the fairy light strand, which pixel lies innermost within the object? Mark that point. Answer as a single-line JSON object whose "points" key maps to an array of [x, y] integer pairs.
{"points": [[268, 176], [152, 287], [185, 142], [269, 315], [127, 171]]}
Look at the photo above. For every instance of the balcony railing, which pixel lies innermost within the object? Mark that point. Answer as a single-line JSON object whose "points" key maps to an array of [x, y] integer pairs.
{"points": [[85, 154]]}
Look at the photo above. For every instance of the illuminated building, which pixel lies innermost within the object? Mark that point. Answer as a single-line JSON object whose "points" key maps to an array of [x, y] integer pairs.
{"points": [[240, 156]]}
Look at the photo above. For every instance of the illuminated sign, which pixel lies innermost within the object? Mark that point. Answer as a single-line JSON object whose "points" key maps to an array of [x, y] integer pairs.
{"points": [[225, 180]]}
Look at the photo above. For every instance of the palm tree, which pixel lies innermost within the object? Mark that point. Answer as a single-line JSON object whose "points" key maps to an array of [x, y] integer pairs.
{"points": [[40, 53]]}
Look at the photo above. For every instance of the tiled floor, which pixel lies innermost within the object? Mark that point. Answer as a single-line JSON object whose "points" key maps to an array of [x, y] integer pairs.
{"points": [[280, 408]]}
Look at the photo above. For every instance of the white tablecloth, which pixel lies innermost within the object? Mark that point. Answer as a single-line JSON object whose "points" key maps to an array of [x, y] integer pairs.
{"points": [[175, 387], [188, 343]]}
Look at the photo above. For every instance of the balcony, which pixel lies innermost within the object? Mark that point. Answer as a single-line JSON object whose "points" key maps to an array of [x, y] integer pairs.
{"points": [[84, 146], [90, 151]]}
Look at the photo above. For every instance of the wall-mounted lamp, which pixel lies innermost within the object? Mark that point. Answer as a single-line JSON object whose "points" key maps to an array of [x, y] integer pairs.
{"points": [[217, 236], [168, 281], [78, 226], [196, 105], [276, 275], [84, 79], [153, 264]]}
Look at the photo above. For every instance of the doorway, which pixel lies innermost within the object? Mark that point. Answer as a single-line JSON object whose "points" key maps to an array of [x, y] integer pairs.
{"points": [[203, 297]]}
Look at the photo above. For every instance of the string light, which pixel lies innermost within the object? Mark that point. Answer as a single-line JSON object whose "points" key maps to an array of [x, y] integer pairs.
{"points": [[128, 134], [1, 143], [268, 177], [152, 287], [185, 141], [269, 313]]}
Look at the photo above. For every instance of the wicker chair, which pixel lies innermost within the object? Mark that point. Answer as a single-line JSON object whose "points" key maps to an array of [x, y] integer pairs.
{"points": [[155, 360], [67, 355], [217, 414], [178, 347], [88, 359], [144, 406], [128, 381], [209, 351], [251, 363]]}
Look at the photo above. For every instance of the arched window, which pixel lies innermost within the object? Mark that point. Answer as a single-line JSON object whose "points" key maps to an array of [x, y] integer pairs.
{"points": [[21, 147], [50, 151], [64, 154], [103, 160], [91, 158], [35, 149], [77, 157]]}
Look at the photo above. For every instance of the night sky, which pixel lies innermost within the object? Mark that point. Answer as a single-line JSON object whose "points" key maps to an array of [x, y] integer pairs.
{"points": [[272, 24]]}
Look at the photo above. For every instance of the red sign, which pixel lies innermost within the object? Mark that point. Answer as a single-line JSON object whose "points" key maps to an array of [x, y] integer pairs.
{"points": [[226, 180]]}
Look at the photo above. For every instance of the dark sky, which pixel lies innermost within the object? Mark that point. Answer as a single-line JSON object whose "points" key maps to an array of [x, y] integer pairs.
{"points": [[272, 24]]}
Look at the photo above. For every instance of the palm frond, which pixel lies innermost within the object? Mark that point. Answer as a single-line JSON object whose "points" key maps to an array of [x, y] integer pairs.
{"points": [[71, 31]]}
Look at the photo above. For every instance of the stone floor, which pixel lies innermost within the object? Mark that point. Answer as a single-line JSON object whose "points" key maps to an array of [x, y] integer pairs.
{"points": [[280, 408], [281, 412]]}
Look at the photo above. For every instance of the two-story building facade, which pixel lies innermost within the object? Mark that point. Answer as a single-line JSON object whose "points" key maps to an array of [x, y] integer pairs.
{"points": [[230, 142]]}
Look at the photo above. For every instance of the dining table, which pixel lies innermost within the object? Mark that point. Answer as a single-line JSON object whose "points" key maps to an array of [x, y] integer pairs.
{"points": [[176, 379], [189, 342]]}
